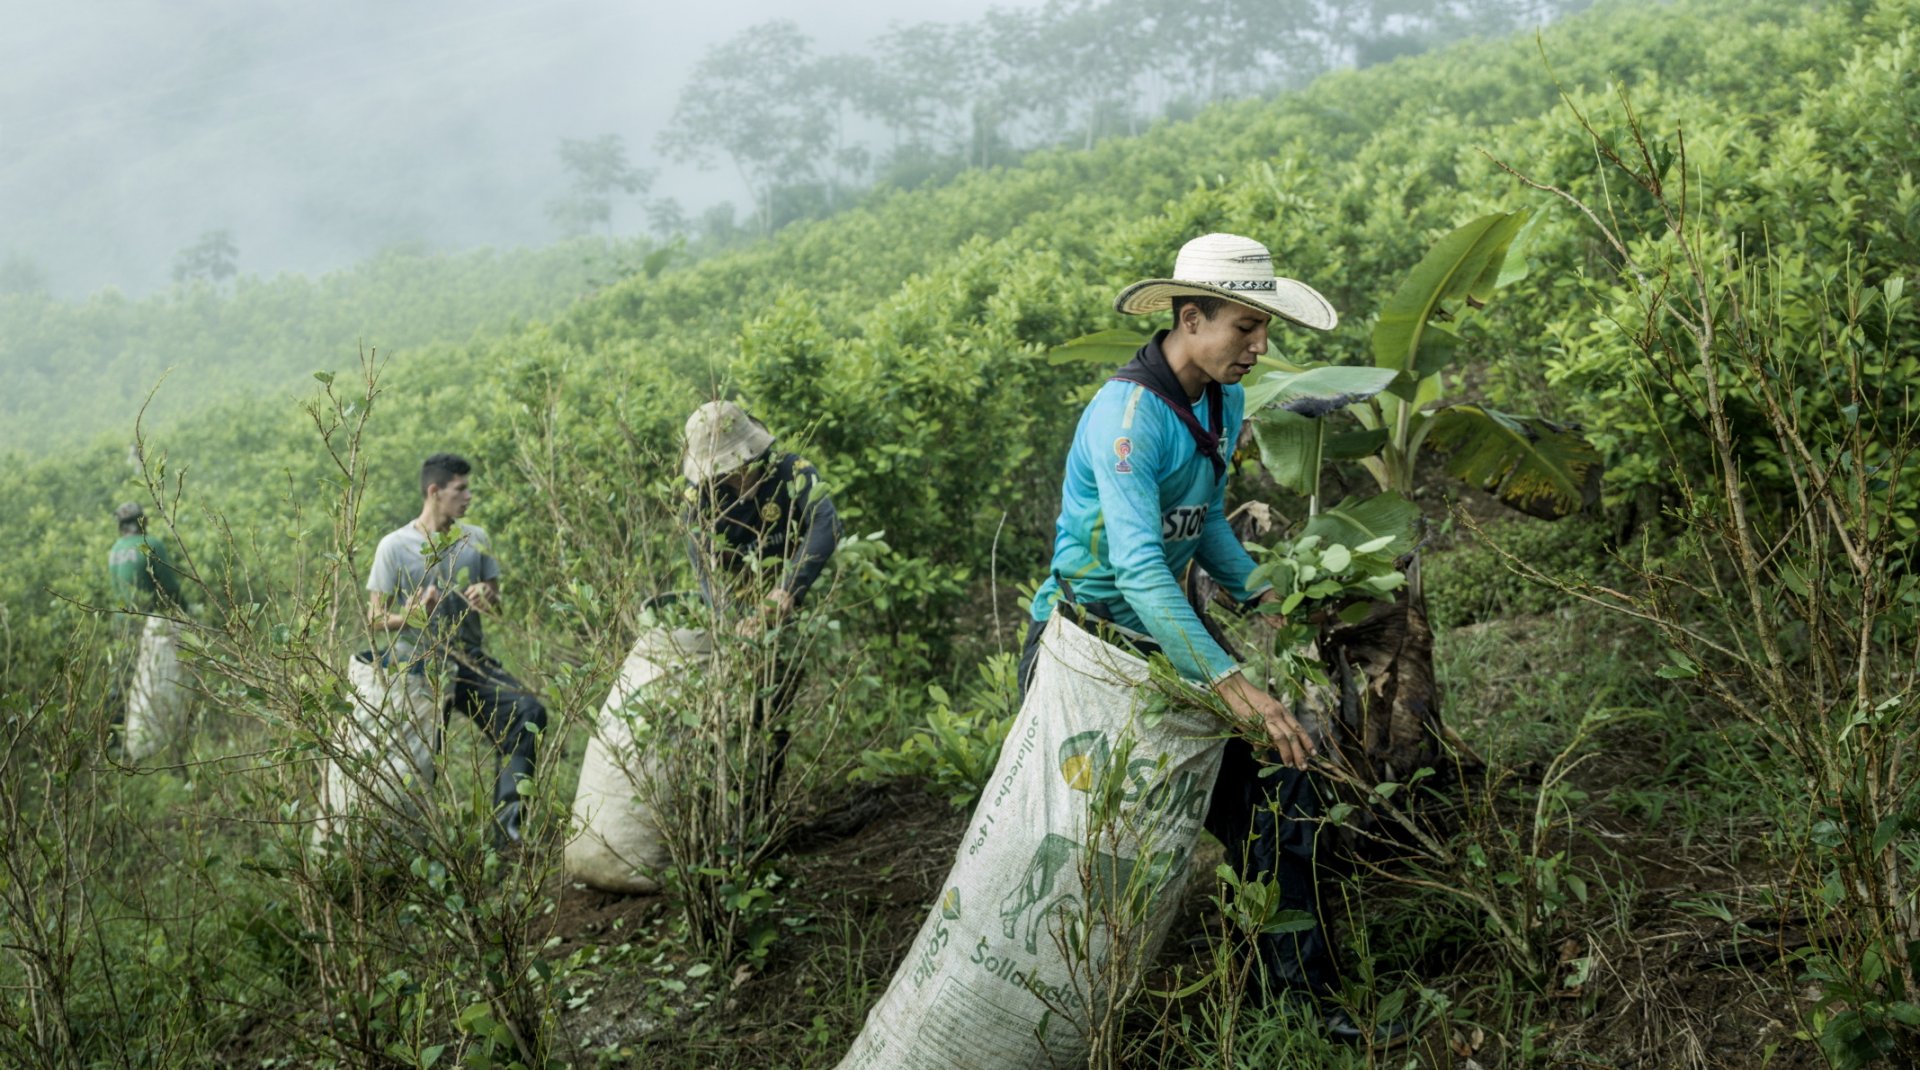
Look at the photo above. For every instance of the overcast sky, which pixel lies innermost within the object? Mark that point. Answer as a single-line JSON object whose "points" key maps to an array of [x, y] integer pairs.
{"points": [[320, 132]]}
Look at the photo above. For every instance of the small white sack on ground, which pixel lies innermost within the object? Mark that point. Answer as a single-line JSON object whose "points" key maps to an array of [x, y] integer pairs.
{"points": [[987, 984], [384, 768], [618, 846], [157, 702]]}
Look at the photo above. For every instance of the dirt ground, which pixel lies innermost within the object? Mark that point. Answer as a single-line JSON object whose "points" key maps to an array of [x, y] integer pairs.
{"points": [[1665, 986]]}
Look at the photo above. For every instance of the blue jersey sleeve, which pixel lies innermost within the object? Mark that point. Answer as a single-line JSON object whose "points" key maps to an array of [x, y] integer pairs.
{"points": [[1223, 556], [1129, 463]]}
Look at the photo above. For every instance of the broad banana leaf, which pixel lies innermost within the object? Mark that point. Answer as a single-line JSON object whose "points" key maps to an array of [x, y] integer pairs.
{"points": [[1317, 391], [1539, 467], [1465, 266], [1114, 347], [1353, 445], [1355, 522], [1293, 447], [1290, 448]]}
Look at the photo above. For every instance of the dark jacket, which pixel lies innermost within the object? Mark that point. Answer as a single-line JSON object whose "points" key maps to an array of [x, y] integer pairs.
{"points": [[783, 515]]}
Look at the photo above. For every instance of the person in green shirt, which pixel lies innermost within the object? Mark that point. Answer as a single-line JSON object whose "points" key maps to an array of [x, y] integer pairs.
{"points": [[144, 579], [146, 585]]}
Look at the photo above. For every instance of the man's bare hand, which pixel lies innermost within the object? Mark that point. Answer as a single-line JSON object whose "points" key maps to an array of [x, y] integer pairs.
{"points": [[480, 596], [1255, 707], [781, 601], [1267, 597], [425, 600]]}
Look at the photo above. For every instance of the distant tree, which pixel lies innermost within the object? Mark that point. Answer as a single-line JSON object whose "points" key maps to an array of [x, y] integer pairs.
{"points": [[666, 218], [599, 169], [214, 258], [21, 274], [923, 84], [719, 226], [759, 100], [1081, 63]]}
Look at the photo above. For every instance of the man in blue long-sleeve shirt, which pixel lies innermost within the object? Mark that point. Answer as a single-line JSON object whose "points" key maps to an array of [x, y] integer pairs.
{"points": [[1144, 498]]}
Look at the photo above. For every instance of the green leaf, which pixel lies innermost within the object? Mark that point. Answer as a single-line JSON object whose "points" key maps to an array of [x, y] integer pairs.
{"points": [[1463, 267], [1356, 612], [1336, 558], [1317, 391], [1114, 347], [1515, 266], [325, 377], [1541, 468], [1186, 990], [1678, 667], [1290, 921], [1290, 448], [1355, 522], [1890, 829], [1353, 445]]}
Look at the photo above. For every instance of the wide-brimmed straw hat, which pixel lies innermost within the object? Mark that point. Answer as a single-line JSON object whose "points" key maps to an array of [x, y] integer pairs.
{"points": [[1238, 269], [721, 438]]}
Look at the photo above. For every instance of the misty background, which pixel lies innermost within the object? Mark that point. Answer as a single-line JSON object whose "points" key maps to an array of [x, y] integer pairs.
{"points": [[319, 134], [143, 143]]}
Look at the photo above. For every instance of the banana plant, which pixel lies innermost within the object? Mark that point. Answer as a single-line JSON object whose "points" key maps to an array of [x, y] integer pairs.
{"points": [[1532, 464]]}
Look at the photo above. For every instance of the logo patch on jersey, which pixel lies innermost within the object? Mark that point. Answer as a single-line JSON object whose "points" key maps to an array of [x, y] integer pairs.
{"points": [[769, 513], [1183, 523], [1123, 448]]}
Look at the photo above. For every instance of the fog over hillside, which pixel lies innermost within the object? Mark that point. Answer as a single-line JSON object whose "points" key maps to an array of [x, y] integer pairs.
{"points": [[317, 134]]}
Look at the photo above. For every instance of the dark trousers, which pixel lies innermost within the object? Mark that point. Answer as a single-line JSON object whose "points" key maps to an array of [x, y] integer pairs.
{"points": [[1269, 827], [773, 698], [512, 719]]}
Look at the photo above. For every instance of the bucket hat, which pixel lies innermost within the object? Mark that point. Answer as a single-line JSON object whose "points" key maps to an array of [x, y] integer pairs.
{"points": [[128, 511], [1238, 269], [720, 438]]}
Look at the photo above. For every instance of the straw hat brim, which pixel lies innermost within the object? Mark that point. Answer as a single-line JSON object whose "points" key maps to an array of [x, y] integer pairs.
{"points": [[700, 466], [1295, 302]]}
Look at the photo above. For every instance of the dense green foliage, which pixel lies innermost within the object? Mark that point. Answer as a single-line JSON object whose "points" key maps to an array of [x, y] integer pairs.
{"points": [[901, 347], [902, 340], [74, 373]]}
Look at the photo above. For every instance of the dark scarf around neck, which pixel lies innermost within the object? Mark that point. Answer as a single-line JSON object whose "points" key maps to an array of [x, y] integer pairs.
{"points": [[1150, 369]]}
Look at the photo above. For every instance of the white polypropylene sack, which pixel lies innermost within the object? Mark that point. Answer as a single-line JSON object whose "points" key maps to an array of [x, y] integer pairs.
{"points": [[384, 768], [157, 702], [618, 846], [988, 969]]}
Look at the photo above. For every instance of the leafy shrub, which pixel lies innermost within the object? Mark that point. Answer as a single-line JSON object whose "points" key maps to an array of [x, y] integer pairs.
{"points": [[957, 749]]}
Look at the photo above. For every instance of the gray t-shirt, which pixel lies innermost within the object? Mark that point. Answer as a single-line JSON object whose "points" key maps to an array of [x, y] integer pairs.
{"points": [[407, 561]]}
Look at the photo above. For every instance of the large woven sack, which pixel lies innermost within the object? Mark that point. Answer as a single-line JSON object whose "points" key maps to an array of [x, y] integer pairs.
{"points": [[990, 982], [382, 769], [617, 847], [157, 702]]}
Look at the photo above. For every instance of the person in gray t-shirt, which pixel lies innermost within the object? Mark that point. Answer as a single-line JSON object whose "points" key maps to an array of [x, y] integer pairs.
{"points": [[443, 577]]}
